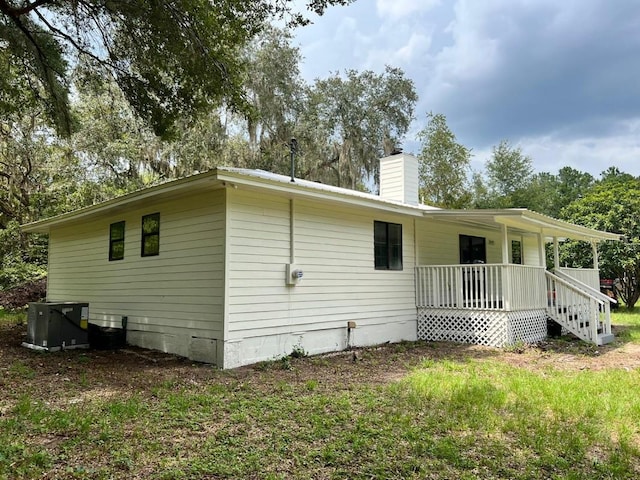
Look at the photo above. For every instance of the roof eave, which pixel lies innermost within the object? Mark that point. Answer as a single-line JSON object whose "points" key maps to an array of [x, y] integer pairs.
{"points": [[529, 221], [43, 226]]}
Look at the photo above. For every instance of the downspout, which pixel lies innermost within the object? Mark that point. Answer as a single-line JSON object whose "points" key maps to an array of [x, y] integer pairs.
{"points": [[292, 231], [293, 148], [596, 266]]}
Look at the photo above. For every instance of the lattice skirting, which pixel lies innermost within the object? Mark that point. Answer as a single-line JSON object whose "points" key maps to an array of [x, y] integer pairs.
{"points": [[481, 327], [527, 326]]}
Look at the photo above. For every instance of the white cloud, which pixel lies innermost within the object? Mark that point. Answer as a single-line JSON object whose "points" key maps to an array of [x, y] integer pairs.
{"points": [[557, 78], [403, 8], [591, 154], [588, 154], [416, 45], [400, 51]]}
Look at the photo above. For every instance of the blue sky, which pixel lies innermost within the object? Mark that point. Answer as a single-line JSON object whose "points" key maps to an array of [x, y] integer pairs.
{"points": [[560, 79]]}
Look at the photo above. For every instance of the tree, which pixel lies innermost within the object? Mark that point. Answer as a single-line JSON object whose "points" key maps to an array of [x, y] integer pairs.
{"points": [[612, 205], [444, 165], [171, 58], [349, 122], [541, 194], [572, 184], [276, 95], [509, 174]]}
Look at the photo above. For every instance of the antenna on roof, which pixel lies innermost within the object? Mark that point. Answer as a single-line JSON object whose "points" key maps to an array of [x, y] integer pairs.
{"points": [[293, 148]]}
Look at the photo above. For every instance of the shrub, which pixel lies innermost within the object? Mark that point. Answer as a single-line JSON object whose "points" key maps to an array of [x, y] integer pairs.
{"points": [[17, 297]]}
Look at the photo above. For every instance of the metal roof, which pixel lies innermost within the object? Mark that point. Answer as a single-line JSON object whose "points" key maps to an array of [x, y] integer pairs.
{"points": [[522, 220]]}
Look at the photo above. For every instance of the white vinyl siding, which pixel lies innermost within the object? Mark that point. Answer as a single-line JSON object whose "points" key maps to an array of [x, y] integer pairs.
{"points": [[438, 242], [334, 248], [178, 293], [530, 251]]}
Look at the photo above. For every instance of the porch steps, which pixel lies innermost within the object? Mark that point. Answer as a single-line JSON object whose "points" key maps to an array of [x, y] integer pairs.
{"points": [[602, 339], [578, 306]]}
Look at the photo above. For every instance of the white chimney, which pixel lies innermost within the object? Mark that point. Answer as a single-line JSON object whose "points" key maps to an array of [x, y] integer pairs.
{"points": [[399, 178]]}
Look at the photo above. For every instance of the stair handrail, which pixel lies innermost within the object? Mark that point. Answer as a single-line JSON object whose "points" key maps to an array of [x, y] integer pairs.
{"points": [[592, 291], [572, 286], [576, 287]]}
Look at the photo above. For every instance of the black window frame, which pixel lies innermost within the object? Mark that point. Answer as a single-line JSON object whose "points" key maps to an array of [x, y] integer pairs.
{"points": [[516, 252], [387, 246], [113, 240], [473, 249], [150, 234]]}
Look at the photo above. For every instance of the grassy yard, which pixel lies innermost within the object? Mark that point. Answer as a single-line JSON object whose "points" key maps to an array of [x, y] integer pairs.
{"points": [[560, 410]]}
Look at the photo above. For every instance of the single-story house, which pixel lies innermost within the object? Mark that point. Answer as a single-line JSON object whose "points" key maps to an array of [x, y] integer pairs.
{"points": [[236, 266]]}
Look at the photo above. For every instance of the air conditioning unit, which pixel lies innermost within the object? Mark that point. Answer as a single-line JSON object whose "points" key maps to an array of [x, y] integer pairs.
{"points": [[57, 326]]}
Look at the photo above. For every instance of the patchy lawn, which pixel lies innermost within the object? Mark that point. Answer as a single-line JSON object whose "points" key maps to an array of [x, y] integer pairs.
{"points": [[562, 409]]}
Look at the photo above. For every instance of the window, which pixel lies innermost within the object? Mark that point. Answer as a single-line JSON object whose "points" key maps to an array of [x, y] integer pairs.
{"points": [[516, 252], [473, 249], [150, 235], [387, 240], [116, 241]]}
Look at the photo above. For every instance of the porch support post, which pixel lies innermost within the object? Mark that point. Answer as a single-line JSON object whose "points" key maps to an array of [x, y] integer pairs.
{"points": [[542, 253], [505, 245], [556, 254], [594, 246], [506, 280]]}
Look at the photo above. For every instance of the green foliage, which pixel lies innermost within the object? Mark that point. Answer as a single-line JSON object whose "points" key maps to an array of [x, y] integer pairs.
{"points": [[509, 170], [349, 122], [34, 67], [275, 92], [572, 184], [170, 59], [444, 165], [298, 351], [509, 179], [20, 260], [509, 182], [612, 205]]}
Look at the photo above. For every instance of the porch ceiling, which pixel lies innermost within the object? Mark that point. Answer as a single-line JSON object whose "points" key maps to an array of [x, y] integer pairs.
{"points": [[522, 220]]}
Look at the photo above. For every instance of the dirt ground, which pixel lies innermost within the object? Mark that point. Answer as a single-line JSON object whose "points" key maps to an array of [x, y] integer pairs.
{"points": [[111, 373]]}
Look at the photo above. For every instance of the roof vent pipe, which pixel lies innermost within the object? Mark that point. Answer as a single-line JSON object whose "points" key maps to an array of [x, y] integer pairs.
{"points": [[293, 148]]}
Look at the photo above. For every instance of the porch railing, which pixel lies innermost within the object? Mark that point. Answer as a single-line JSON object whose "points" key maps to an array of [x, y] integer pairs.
{"points": [[481, 286]]}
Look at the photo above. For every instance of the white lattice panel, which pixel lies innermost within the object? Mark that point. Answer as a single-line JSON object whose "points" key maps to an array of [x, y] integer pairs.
{"points": [[490, 328], [527, 326], [480, 327]]}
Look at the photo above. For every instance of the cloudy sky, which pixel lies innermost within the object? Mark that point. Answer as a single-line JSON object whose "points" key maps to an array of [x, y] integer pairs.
{"points": [[560, 79]]}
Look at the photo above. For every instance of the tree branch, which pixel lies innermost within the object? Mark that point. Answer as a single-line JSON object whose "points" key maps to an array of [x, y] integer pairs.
{"points": [[15, 12]]}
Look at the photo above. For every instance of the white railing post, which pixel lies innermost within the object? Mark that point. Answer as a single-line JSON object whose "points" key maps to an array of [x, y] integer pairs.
{"points": [[506, 287], [595, 323], [607, 319], [459, 300]]}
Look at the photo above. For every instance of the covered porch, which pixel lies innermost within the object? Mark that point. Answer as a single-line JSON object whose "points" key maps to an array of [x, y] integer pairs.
{"points": [[501, 303]]}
